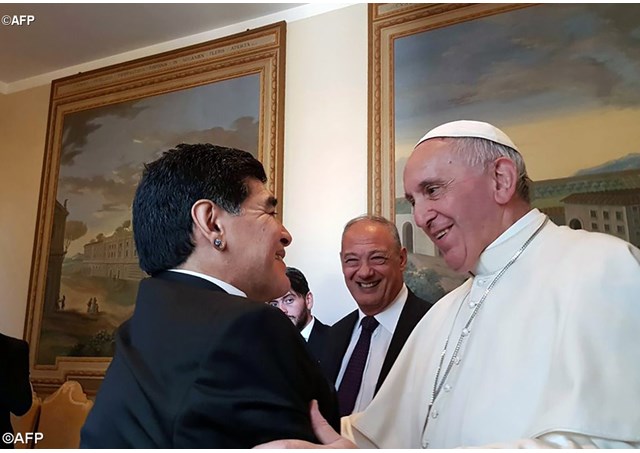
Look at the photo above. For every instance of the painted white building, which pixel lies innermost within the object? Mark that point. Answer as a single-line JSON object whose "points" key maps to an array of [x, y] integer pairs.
{"points": [[412, 237], [615, 212], [113, 256]]}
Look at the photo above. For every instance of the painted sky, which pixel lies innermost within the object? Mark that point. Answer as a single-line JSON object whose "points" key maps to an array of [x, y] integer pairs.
{"points": [[562, 80], [104, 149]]}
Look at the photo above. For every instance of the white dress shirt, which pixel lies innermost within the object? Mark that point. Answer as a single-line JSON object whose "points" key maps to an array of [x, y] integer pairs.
{"points": [[380, 341], [306, 332]]}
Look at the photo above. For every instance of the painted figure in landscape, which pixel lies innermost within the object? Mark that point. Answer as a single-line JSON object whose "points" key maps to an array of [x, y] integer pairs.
{"points": [[61, 303]]}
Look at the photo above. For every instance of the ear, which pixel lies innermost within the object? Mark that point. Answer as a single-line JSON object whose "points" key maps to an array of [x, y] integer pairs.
{"points": [[309, 300], [403, 259], [206, 217], [505, 178]]}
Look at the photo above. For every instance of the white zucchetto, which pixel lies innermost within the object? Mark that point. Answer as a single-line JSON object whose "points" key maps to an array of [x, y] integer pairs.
{"points": [[467, 128]]}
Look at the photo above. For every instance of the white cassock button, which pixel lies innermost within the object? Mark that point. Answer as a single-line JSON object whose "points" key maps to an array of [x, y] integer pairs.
{"points": [[434, 414], [456, 360], [425, 444], [447, 388], [465, 332], [472, 304]]}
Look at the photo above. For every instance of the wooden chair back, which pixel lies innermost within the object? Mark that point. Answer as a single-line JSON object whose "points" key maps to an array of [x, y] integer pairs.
{"points": [[62, 415]]}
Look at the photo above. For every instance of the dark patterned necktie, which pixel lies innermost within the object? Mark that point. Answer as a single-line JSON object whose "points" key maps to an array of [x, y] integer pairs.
{"points": [[352, 378]]}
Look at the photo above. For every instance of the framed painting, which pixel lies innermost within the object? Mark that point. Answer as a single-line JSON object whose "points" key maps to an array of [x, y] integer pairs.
{"points": [[103, 126], [560, 79]]}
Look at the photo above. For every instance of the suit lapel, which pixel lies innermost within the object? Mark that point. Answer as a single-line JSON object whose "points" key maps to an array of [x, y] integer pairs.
{"points": [[317, 334], [409, 317], [338, 342]]}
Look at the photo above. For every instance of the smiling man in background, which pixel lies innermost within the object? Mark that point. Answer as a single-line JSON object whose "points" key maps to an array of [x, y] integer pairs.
{"points": [[363, 346]]}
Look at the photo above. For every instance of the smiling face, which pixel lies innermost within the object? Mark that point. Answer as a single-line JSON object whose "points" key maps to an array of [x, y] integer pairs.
{"points": [[453, 203], [372, 264], [255, 242]]}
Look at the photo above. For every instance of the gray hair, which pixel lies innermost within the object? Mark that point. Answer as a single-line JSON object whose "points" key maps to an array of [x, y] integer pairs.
{"points": [[388, 224], [479, 151]]}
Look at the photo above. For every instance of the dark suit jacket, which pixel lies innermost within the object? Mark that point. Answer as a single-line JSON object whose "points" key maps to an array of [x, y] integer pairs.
{"points": [[196, 367], [15, 389], [340, 336], [317, 339]]}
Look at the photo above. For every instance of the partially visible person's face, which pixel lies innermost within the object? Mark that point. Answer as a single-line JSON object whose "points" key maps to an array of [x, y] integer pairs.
{"points": [[453, 203], [296, 306], [255, 240], [372, 264]]}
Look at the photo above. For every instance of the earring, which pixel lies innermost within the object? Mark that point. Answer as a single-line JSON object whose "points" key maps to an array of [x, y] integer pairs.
{"points": [[217, 243]]}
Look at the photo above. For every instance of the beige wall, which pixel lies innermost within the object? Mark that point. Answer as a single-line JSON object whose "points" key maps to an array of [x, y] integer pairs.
{"points": [[325, 161], [325, 180], [23, 123]]}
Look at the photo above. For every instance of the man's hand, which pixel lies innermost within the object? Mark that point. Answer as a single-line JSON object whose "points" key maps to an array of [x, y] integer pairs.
{"points": [[323, 431]]}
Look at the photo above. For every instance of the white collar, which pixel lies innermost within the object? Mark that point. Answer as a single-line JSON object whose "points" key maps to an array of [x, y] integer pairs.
{"points": [[306, 332], [388, 318], [496, 255], [224, 285]]}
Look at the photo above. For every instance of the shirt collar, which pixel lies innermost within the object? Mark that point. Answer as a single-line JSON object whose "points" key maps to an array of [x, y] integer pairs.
{"points": [[388, 318], [306, 332], [224, 285], [507, 244]]}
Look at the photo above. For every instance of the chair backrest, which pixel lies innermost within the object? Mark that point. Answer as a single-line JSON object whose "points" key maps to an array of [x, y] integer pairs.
{"points": [[27, 423], [62, 416]]}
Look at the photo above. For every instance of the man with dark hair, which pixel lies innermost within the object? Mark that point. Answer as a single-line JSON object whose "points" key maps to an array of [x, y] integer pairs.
{"points": [[297, 303], [15, 388], [373, 261], [203, 363]]}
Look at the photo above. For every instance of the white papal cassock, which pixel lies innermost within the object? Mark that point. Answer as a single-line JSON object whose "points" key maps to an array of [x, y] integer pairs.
{"points": [[552, 358]]}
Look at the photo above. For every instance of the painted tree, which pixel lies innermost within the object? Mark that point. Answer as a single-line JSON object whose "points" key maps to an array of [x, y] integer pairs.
{"points": [[74, 229], [425, 283]]}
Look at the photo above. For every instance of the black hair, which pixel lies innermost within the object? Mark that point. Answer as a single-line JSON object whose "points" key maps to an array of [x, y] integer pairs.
{"points": [[298, 281], [170, 185]]}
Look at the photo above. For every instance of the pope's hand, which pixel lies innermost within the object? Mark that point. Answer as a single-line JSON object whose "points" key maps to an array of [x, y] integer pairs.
{"points": [[328, 437]]}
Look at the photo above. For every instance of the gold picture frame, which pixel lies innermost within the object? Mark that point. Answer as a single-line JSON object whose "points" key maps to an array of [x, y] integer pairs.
{"points": [[103, 125]]}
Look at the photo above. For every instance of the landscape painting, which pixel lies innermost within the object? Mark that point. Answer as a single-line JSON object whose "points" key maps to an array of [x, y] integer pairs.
{"points": [[563, 81], [93, 269], [104, 126]]}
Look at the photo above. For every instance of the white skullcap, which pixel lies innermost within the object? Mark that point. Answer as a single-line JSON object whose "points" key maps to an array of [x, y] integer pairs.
{"points": [[466, 128]]}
